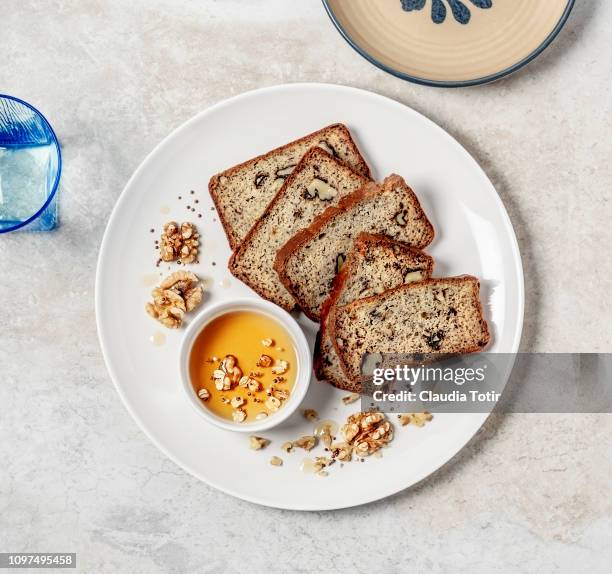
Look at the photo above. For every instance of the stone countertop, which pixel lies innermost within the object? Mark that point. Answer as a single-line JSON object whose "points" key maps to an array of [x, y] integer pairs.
{"points": [[530, 492]]}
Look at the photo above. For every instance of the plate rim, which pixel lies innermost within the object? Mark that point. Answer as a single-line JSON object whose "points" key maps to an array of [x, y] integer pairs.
{"points": [[480, 418], [452, 83]]}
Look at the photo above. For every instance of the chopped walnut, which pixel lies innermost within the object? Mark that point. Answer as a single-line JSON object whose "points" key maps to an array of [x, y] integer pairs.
{"points": [[321, 462], [179, 293], [204, 394], [250, 384], [280, 394], [267, 342], [254, 386], [306, 442], [237, 402], [287, 446], [228, 374], [350, 398], [367, 432], [187, 285], [264, 361], [276, 461], [280, 367], [342, 451], [257, 442], [222, 381], [417, 419], [311, 415], [273, 404], [179, 243]]}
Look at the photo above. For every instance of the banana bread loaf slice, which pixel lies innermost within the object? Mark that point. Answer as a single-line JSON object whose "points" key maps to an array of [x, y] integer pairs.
{"points": [[242, 193], [435, 316], [374, 264], [309, 261], [318, 181]]}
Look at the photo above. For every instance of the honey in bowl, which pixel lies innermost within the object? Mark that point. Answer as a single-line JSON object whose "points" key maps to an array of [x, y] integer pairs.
{"points": [[243, 366]]}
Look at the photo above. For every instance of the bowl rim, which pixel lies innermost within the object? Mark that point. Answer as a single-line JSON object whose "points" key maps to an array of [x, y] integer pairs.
{"points": [[55, 186], [302, 350], [452, 83]]}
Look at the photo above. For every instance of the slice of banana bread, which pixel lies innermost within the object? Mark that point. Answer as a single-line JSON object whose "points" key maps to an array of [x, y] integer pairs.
{"points": [[242, 193], [435, 316], [319, 180], [374, 264], [308, 262]]}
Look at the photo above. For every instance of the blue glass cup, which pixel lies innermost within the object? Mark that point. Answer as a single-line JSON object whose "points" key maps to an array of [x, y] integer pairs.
{"points": [[30, 167]]}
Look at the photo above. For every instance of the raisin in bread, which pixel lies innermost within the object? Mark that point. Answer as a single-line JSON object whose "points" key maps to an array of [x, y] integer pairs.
{"points": [[242, 193], [308, 263], [435, 316], [318, 181], [374, 264]]}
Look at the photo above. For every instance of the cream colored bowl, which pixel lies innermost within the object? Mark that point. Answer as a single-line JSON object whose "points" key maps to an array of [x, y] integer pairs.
{"points": [[302, 352], [494, 42]]}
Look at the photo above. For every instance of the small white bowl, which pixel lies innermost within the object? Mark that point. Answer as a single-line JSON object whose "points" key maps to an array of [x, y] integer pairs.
{"points": [[302, 352]]}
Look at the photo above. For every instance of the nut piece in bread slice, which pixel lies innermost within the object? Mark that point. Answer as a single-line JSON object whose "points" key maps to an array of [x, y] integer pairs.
{"points": [[435, 316], [242, 193], [317, 182], [308, 263], [374, 264]]}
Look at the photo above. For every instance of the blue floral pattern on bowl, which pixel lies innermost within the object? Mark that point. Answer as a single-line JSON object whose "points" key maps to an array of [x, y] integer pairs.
{"points": [[460, 11]]}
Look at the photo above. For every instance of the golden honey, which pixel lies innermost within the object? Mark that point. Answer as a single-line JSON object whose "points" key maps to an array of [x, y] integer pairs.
{"points": [[246, 335]]}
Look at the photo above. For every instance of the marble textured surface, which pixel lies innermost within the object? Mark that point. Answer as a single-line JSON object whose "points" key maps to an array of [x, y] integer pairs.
{"points": [[531, 493]]}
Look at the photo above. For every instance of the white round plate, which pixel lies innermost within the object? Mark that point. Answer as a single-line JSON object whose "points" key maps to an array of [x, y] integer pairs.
{"points": [[473, 235]]}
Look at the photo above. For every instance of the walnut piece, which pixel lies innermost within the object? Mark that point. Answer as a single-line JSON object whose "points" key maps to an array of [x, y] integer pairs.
{"points": [[250, 383], [228, 374], [237, 402], [350, 398], [311, 415], [342, 451], [412, 276], [276, 461], [273, 404], [179, 293], [364, 434], [280, 368], [179, 242], [401, 217], [258, 442], [321, 189], [306, 442], [280, 394], [320, 463], [340, 260], [416, 419], [285, 171], [264, 361], [327, 147]]}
